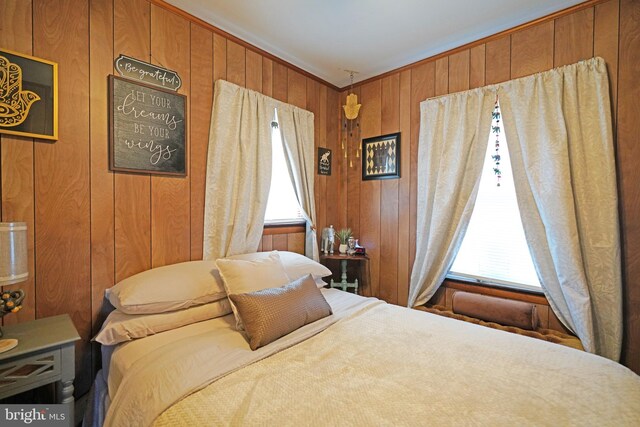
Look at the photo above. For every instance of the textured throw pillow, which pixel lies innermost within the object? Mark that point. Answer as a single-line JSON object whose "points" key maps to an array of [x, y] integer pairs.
{"points": [[120, 327], [243, 276], [272, 313], [168, 288], [295, 265]]}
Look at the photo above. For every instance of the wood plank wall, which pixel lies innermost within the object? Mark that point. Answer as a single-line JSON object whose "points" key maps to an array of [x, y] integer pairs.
{"points": [[383, 213], [88, 227]]}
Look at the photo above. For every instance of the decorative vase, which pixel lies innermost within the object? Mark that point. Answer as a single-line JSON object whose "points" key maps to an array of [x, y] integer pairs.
{"points": [[343, 248]]}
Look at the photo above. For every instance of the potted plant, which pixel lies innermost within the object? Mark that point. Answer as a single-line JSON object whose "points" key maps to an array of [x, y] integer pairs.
{"points": [[343, 235]]}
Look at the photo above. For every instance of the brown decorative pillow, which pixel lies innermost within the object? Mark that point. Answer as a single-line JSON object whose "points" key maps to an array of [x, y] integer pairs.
{"points": [[272, 313]]}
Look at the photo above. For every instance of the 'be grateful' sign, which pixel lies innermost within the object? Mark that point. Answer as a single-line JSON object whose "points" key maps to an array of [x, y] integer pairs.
{"points": [[147, 129], [147, 73]]}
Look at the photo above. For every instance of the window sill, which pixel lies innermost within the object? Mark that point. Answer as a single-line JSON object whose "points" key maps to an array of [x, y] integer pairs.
{"points": [[285, 228]]}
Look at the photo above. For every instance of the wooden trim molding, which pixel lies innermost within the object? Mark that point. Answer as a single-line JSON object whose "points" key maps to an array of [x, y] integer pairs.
{"points": [[173, 9], [550, 17], [284, 229]]}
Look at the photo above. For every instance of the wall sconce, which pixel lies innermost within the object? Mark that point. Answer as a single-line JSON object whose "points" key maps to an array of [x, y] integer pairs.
{"points": [[14, 268], [351, 126]]}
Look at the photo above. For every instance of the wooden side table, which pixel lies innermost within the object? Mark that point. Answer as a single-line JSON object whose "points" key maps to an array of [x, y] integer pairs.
{"points": [[45, 354], [363, 262]]}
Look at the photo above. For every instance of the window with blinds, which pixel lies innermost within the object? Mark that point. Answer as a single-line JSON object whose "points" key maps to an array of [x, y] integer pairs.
{"points": [[494, 249], [283, 206]]}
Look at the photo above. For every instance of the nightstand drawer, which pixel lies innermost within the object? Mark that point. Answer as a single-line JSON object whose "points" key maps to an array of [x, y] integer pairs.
{"points": [[29, 372]]}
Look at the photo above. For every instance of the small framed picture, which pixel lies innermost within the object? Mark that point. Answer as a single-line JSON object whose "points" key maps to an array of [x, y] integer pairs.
{"points": [[381, 157], [28, 96], [324, 161]]}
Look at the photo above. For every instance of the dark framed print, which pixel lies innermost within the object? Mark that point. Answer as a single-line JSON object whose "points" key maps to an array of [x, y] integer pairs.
{"points": [[324, 161], [28, 96], [147, 128], [381, 157]]}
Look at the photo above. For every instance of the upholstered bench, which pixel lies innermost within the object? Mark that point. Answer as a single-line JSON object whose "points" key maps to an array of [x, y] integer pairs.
{"points": [[507, 315]]}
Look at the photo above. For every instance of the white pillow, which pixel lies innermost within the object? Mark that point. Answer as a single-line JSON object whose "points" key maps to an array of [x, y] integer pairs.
{"points": [[295, 265], [244, 276], [120, 327], [168, 288]]}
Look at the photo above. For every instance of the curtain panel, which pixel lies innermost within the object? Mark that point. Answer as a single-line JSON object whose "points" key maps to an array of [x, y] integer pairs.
{"points": [[559, 131], [297, 126], [239, 168], [560, 138]]}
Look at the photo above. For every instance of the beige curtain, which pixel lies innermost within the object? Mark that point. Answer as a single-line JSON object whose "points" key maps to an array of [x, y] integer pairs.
{"points": [[297, 130], [559, 131], [454, 131], [238, 170]]}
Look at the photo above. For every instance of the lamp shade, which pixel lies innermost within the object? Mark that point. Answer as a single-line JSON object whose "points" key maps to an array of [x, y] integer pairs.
{"points": [[13, 253]]}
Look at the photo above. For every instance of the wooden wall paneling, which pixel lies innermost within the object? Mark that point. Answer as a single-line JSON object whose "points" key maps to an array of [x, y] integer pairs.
{"points": [[321, 125], [253, 71], [573, 37], [459, 71], [336, 183], [532, 50], [628, 152], [442, 76], [314, 104], [16, 157], [219, 57], [236, 63], [267, 76], [370, 122], [353, 171], [199, 121], [296, 242], [498, 60], [297, 89], [390, 123], [170, 195], [422, 87], [404, 189], [267, 242], [62, 193], [280, 82], [477, 65], [102, 180], [605, 45], [280, 242], [132, 30]]}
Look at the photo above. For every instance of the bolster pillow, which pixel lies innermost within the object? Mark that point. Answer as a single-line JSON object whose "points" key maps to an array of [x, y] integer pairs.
{"points": [[499, 310]]}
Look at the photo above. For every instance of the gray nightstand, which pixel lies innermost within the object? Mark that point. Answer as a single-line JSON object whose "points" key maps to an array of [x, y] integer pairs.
{"points": [[45, 354]]}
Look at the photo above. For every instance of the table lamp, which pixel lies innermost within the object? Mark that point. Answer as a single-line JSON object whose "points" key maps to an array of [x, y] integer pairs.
{"points": [[13, 269]]}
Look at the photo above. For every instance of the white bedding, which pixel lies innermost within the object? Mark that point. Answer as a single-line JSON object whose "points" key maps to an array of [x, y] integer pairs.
{"points": [[380, 364], [192, 357]]}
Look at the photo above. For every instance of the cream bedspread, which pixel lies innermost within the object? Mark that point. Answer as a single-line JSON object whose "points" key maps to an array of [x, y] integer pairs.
{"points": [[388, 365]]}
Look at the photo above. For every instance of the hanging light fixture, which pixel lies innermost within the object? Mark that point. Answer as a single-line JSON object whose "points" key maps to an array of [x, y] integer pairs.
{"points": [[351, 143]]}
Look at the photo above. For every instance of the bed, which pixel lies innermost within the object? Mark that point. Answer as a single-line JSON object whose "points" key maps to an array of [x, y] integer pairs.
{"points": [[368, 363]]}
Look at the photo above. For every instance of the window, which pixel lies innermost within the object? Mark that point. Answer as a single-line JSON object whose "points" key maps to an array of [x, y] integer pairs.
{"points": [[283, 206], [494, 249]]}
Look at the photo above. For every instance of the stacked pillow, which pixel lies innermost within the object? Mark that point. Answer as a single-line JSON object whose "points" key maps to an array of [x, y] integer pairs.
{"points": [[176, 295]]}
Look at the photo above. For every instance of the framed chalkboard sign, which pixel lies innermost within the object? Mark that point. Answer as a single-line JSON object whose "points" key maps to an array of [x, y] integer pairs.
{"points": [[147, 129]]}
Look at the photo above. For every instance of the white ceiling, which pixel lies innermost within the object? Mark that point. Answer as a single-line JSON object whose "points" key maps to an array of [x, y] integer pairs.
{"points": [[326, 37]]}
